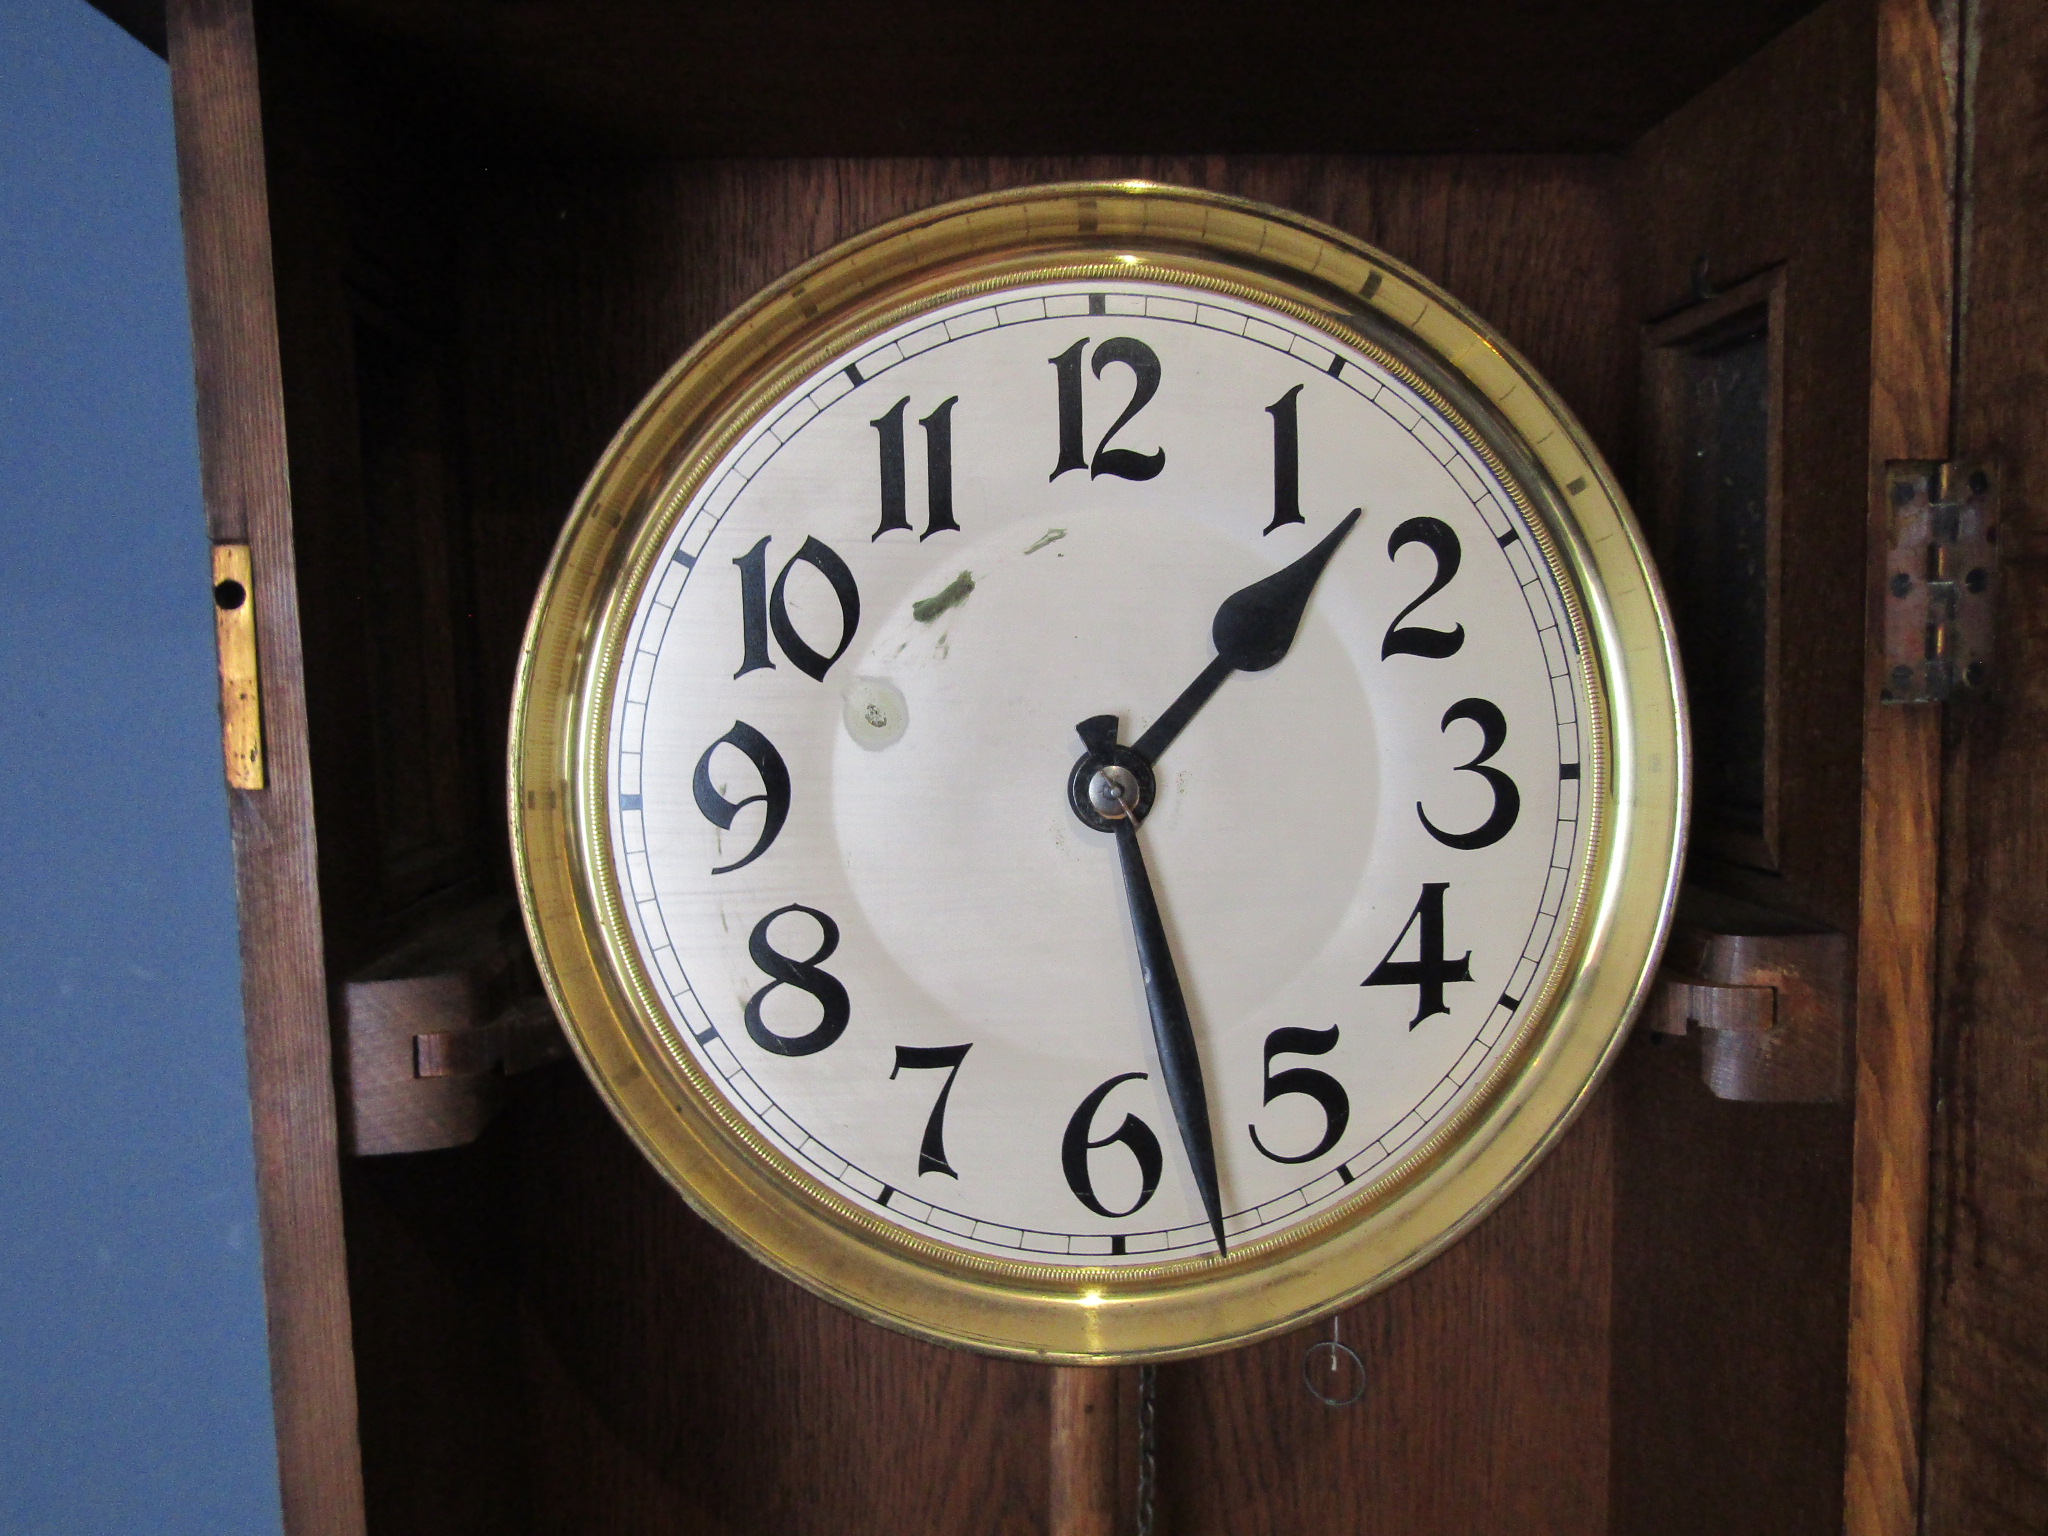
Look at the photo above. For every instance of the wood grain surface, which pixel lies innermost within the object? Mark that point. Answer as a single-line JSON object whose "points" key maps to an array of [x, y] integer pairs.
{"points": [[221, 174], [1911, 360], [1086, 1472], [1987, 1350], [1731, 1221]]}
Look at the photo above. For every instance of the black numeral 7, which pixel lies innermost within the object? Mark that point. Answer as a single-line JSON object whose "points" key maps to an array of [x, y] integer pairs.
{"points": [[931, 1153]]}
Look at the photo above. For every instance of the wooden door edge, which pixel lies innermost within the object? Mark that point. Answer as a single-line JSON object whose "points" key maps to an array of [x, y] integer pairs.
{"points": [[1912, 352], [245, 479]]}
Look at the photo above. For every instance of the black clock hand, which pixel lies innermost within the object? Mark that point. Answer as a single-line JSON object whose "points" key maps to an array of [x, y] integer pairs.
{"points": [[1172, 1032], [1253, 630]]}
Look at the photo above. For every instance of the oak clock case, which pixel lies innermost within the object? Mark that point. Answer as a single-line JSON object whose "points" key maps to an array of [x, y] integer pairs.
{"points": [[1098, 771]]}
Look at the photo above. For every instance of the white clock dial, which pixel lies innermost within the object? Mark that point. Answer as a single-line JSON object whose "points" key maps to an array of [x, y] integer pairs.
{"points": [[838, 773]]}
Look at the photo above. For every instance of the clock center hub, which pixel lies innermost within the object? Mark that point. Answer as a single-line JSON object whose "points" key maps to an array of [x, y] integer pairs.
{"points": [[1113, 791]]}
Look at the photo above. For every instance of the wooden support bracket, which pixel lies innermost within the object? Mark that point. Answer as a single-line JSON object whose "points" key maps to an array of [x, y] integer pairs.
{"points": [[1769, 997], [430, 1032]]}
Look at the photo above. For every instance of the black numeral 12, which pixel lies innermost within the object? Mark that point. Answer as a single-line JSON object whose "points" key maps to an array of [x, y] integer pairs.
{"points": [[1124, 463], [938, 466]]}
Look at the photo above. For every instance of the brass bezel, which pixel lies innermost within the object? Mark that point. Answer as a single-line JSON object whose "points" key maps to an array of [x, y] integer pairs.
{"points": [[1633, 795]]}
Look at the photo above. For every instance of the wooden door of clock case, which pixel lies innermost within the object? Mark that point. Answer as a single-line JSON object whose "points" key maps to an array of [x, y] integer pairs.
{"points": [[439, 250]]}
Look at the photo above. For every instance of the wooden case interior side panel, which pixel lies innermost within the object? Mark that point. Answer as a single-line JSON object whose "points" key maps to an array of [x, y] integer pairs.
{"points": [[247, 492], [1912, 319], [668, 1376], [1731, 1220], [1987, 1348]]}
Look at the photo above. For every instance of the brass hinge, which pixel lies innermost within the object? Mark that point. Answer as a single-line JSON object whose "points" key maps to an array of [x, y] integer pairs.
{"points": [[1941, 573], [241, 699]]}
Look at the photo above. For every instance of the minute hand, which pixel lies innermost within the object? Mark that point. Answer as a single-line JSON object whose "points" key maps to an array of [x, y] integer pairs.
{"points": [[1254, 629]]}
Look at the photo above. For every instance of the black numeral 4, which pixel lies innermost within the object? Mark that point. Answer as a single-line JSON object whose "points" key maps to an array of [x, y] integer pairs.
{"points": [[1430, 971]]}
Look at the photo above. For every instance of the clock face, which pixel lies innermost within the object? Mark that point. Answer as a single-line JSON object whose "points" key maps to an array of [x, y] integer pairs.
{"points": [[1100, 776]]}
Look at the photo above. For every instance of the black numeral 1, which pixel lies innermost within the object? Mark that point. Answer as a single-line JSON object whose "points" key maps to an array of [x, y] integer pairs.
{"points": [[938, 464], [1430, 971], [931, 1153], [1286, 461]]}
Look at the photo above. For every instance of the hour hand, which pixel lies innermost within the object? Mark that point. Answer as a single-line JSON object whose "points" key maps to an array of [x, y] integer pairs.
{"points": [[1254, 629]]}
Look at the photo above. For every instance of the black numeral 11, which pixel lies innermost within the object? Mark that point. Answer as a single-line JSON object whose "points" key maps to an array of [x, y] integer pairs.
{"points": [[938, 464]]}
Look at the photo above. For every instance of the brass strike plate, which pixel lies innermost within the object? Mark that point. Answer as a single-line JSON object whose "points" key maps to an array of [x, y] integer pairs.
{"points": [[234, 629]]}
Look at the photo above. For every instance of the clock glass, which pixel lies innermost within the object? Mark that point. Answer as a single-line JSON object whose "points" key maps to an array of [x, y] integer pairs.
{"points": [[1096, 774]]}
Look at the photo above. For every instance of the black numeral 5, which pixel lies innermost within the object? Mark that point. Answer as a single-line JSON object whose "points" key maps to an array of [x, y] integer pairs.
{"points": [[1320, 1086]]}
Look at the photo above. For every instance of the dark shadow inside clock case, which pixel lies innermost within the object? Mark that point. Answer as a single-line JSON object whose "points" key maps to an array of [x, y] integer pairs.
{"points": [[493, 231]]}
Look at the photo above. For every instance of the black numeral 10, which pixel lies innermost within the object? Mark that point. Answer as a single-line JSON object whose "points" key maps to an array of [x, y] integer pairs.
{"points": [[763, 609]]}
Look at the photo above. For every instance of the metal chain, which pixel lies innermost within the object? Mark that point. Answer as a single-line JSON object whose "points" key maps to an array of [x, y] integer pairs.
{"points": [[1148, 1468]]}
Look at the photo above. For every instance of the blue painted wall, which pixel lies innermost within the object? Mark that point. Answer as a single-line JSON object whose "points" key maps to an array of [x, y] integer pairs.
{"points": [[134, 1384]]}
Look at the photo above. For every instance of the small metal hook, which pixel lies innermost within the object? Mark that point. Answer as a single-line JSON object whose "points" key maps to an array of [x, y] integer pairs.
{"points": [[1332, 1371]]}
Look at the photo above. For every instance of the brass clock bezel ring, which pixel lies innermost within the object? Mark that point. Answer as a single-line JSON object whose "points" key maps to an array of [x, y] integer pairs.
{"points": [[1634, 789]]}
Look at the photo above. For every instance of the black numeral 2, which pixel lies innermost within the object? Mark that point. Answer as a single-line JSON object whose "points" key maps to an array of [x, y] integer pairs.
{"points": [[1430, 971], [1414, 640], [762, 610], [931, 1153], [1124, 463], [938, 469]]}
